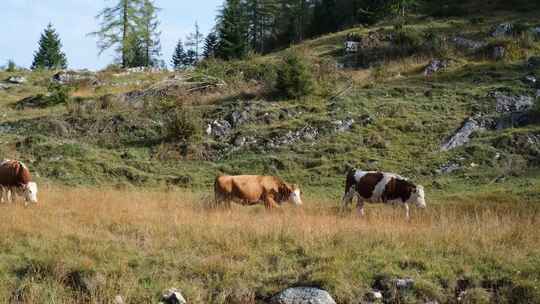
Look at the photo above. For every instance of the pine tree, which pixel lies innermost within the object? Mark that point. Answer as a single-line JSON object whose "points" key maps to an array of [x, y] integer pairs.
{"points": [[117, 28], [232, 31], [49, 54], [194, 40], [179, 56], [148, 34], [210, 45], [191, 58]]}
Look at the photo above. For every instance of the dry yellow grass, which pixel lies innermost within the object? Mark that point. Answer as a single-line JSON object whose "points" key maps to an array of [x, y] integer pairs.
{"points": [[136, 243]]}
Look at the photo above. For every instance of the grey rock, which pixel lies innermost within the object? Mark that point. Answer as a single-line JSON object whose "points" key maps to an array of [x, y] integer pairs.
{"points": [[239, 141], [219, 128], [72, 76], [530, 79], [374, 296], [538, 93], [448, 168], [462, 136], [16, 79], [238, 118], [503, 29], [404, 283], [5, 86], [498, 52], [468, 44], [434, 66], [514, 120], [343, 125], [302, 295], [173, 296], [516, 103], [352, 46]]}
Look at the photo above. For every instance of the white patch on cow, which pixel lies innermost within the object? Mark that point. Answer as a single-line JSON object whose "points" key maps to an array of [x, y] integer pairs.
{"points": [[5, 161], [30, 192], [381, 186], [295, 197], [358, 174]]}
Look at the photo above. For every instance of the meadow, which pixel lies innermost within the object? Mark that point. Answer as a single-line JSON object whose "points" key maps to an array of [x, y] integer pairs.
{"points": [[87, 245]]}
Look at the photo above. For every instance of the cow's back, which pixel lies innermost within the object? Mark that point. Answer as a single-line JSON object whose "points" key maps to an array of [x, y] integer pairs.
{"points": [[14, 173]]}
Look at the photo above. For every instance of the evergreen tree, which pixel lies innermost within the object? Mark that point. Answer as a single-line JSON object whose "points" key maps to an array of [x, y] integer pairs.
{"points": [[179, 56], [148, 34], [118, 27], [191, 58], [232, 31], [49, 54], [194, 40], [210, 45]]}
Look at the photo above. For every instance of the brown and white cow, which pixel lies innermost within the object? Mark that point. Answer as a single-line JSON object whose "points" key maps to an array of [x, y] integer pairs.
{"points": [[382, 187], [15, 179], [255, 189]]}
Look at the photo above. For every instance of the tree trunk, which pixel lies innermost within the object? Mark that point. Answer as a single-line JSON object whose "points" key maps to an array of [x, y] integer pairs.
{"points": [[125, 24]]}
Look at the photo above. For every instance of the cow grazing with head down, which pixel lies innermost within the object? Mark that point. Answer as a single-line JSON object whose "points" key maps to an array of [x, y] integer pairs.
{"points": [[382, 187], [15, 179], [255, 189]]}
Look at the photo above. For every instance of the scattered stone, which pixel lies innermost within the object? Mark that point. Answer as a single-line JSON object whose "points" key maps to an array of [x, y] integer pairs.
{"points": [[307, 133], [31, 102], [434, 66], [534, 62], [462, 136], [374, 296], [516, 103], [498, 53], [302, 295], [514, 120], [404, 283], [503, 29], [343, 125], [72, 76], [538, 93], [118, 300], [239, 141], [5, 86], [16, 79], [351, 46], [448, 168], [173, 296], [238, 117], [219, 128], [468, 44]]}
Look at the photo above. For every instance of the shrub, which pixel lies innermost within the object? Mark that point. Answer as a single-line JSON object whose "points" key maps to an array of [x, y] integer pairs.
{"points": [[408, 40], [294, 77], [183, 125], [58, 94]]}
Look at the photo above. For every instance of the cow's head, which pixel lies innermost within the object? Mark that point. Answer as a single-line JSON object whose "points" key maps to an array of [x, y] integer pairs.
{"points": [[418, 197], [295, 196], [30, 191]]}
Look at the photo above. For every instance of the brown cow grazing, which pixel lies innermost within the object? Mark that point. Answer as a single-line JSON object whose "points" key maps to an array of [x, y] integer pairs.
{"points": [[15, 178], [376, 187], [255, 189]]}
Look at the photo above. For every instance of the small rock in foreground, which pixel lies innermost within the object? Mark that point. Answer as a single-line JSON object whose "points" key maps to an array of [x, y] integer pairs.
{"points": [[302, 295]]}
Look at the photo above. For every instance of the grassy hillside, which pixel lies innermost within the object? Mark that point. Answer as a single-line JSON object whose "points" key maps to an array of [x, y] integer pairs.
{"points": [[126, 165]]}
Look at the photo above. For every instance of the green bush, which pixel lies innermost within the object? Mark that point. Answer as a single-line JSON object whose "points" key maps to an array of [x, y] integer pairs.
{"points": [[58, 94], [294, 77], [11, 66], [183, 125], [408, 40]]}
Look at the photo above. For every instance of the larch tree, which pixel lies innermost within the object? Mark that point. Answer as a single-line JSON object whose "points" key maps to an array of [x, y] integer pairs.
{"points": [[49, 55], [194, 41], [148, 34]]}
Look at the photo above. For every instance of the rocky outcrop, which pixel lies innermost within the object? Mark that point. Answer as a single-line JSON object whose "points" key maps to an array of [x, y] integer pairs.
{"points": [[72, 76], [16, 79], [511, 103], [462, 136], [468, 44], [302, 295], [503, 29], [307, 133], [435, 66]]}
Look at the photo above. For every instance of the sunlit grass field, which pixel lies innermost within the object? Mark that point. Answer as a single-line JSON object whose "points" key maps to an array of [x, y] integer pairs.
{"points": [[87, 245]]}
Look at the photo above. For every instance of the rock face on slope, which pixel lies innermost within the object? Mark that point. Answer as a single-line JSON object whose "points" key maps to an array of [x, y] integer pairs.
{"points": [[462, 136], [302, 295]]}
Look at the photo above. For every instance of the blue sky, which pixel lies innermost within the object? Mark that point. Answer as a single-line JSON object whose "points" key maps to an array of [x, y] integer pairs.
{"points": [[24, 20]]}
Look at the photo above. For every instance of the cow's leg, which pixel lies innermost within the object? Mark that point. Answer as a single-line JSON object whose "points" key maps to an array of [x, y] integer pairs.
{"points": [[2, 194], [407, 215], [270, 203], [347, 198], [10, 196], [360, 206]]}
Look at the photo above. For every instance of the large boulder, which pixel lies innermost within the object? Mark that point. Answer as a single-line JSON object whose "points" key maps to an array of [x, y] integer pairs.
{"points": [[503, 29], [16, 79], [462, 136], [302, 295], [511, 103]]}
